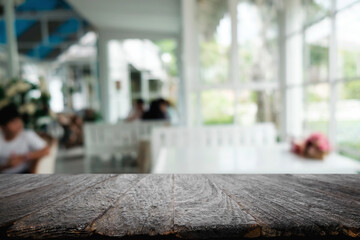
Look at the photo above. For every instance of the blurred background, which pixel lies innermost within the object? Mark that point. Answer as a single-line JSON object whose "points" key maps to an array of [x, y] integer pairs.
{"points": [[102, 75]]}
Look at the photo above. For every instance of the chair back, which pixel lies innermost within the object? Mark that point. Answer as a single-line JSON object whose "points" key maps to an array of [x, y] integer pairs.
{"points": [[212, 136], [103, 138]]}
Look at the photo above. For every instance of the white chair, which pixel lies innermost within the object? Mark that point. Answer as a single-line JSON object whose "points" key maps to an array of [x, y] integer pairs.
{"points": [[107, 140], [212, 136]]}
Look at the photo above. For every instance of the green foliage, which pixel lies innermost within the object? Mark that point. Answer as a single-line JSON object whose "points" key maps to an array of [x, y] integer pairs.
{"points": [[319, 55], [315, 10], [314, 97], [349, 64], [217, 107], [19, 92], [169, 46], [351, 90], [318, 126], [214, 62]]}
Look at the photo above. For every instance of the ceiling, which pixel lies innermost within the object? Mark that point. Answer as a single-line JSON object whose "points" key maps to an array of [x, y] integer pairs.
{"points": [[44, 28], [135, 15]]}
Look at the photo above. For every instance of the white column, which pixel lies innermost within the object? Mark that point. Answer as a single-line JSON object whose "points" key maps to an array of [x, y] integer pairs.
{"points": [[332, 73], [234, 54], [282, 69], [103, 59], [294, 69], [12, 49], [189, 60]]}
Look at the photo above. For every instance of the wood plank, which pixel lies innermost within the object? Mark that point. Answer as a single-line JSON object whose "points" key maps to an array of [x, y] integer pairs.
{"points": [[27, 182], [284, 210], [19, 205], [9, 183], [147, 209], [326, 184], [180, 206], [71, 216], [328, 204], [203, 210]]}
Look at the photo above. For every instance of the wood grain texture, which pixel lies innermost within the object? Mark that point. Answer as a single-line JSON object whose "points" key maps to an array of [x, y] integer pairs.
{"points": [[21, 204], [180, 206], [285, 209], [199, 203], [14, 184], [147, 209], [72, 215]]}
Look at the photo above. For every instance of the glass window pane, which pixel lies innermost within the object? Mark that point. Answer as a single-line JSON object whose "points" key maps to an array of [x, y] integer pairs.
{"points": [[257, 39], [316, 9], [348, 40], [316, 117], [344, 3], [257, 107], [348, 115], [217, 106], [317, 51], [214, 26]]}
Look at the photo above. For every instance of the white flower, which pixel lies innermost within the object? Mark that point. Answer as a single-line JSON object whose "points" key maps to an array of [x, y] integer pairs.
{"points": [[30, 108], [23, 86], [42, 85], [11, 91]]}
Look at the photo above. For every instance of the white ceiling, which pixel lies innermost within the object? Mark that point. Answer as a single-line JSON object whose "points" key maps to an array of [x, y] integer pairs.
{"points": [[135, 15]]}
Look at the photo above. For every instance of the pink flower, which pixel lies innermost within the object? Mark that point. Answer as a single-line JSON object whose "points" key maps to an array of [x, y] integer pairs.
{"points": [[320, 141]]}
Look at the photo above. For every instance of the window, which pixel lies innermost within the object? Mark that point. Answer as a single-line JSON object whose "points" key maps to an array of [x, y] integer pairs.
{"points": [[257, 62], [214, 32], [317, 108], [217, 107], [348, 41], [317, 51], [257, 107], [348, 119], [344, 3], [316, 9], [257, 40], [309, 99]]}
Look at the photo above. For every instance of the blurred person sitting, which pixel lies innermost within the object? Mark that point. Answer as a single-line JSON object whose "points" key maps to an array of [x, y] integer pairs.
{"points": [[137, 111], [19, 148], [157, 111]]}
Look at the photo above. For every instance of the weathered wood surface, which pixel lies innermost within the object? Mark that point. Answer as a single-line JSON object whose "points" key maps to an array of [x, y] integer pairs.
{"points": [[179, 206]]}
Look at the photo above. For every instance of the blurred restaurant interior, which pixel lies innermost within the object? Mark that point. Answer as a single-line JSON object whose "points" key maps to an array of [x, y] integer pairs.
{"points": [[180, 86]]}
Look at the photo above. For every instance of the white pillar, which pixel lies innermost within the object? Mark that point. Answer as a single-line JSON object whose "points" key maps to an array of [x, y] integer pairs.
{"points": [[332, 73], [282, 69], [103, 58], [189, 60], [234, 54], [12, 49], [294, 71]]}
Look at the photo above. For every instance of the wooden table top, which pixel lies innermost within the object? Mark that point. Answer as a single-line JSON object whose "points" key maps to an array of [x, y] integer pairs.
{"points": [[179, 206]]}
